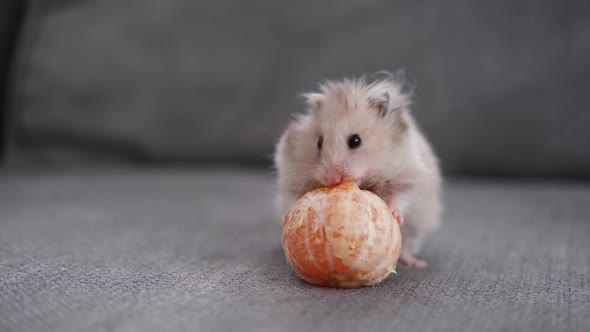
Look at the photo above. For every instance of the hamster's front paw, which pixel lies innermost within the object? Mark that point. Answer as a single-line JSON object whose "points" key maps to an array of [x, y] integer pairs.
{"points": [[397, 215]]}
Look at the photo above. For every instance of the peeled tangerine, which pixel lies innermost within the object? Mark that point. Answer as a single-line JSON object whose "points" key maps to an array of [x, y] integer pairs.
{"points": [[341, 237]]}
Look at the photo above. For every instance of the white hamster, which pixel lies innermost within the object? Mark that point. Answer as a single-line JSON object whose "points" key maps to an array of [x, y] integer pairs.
{"points": [[363, 131]]}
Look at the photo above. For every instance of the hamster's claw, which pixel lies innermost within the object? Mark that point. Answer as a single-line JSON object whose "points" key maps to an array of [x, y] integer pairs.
{"points": [[397, 215], [412, 262]]}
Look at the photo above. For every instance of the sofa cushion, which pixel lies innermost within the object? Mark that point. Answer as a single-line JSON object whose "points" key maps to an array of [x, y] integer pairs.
{"points": [[200, 249]]}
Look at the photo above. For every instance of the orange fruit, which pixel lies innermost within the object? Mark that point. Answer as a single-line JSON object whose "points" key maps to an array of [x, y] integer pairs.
{"points": [[341, 237]]}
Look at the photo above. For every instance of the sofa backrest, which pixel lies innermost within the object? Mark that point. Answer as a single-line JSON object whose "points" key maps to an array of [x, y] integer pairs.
{"points": [[11, 17], [501, 88]]}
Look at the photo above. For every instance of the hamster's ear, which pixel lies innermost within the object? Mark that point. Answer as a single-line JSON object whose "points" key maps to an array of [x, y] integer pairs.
{"points": [[389, 103], [314, 101], [380, 103]]}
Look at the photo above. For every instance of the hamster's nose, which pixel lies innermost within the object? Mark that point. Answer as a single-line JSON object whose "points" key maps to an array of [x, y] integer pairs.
{"points": [[333, 179]]}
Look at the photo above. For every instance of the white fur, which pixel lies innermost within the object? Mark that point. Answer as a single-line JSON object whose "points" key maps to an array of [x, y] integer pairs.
{"points": [[394, 159]]}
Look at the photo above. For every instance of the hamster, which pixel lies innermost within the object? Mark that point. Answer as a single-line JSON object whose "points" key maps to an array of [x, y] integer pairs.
{"points": [[358, 130]]}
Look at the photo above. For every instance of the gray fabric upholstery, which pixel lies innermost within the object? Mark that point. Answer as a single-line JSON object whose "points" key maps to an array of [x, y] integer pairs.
{"points": [[501, 87], [11, 17], [128, 250]]}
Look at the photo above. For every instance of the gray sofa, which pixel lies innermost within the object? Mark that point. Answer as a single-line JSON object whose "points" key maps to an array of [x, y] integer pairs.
{"points": [[136, 189]]}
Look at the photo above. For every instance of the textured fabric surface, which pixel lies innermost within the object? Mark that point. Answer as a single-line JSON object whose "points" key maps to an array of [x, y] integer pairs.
{"points": [[501, 87], [200, 250]]}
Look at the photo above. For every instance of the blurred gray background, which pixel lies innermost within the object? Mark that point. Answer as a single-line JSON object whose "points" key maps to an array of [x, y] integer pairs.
{"points": [[501, 87]]}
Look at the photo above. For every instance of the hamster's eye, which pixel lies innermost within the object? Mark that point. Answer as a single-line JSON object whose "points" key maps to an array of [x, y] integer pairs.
{"points": [[354, 141], [320, 142]]}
